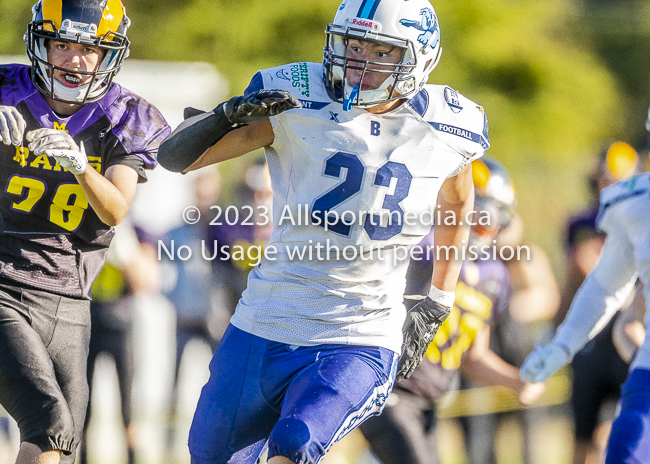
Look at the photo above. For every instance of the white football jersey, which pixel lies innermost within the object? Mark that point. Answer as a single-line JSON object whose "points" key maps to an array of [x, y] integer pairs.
{"points": [[625, 217], [352, 193]]}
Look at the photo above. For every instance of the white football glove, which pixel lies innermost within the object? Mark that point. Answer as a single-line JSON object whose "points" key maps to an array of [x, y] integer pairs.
{"points": [[59, 145], [12, 126], [543, 361]]}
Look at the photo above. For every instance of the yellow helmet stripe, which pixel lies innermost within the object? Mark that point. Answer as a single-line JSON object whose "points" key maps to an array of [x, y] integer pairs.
{"points": [[111, 17], [52, 10]]}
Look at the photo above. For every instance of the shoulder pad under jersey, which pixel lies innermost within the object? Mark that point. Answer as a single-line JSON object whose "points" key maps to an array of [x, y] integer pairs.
{"points": [[617, 196], [459, 122]]}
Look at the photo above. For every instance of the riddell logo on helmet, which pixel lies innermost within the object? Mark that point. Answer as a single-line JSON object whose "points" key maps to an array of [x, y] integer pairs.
{"points": [[75, 27], [362, 22]]}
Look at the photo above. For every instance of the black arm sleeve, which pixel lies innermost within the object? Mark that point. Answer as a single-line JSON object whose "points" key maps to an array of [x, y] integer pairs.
{"points": [[192, 138]]}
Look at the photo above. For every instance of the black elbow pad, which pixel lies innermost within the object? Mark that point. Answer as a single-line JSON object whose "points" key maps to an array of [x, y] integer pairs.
{"points": [[193, 137]]}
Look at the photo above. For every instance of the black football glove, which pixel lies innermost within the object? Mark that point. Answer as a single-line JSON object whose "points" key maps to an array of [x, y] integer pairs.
{"points": [[259, 105], [191, 139], [421, 325]]}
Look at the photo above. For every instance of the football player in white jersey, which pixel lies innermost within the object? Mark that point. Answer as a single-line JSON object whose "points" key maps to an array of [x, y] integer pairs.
{"points": [[624, 217], [360, 151]]}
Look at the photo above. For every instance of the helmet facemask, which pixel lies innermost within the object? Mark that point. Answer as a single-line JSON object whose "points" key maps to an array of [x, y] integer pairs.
{"points": [[399, 83], [113, 44]]}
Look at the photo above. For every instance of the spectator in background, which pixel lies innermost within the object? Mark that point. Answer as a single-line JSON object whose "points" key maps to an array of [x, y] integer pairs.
{"points": [[193, 286], [130, 268]]}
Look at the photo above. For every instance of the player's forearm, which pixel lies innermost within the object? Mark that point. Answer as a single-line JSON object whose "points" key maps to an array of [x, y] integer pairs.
{"points": [[190, 141], [456, 198], [257, 134], [591, 309], [108, 201], [490, 369], [603, 292]]}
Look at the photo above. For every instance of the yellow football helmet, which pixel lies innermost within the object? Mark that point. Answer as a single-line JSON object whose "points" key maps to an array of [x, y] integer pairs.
{"points": [[99, 23]]}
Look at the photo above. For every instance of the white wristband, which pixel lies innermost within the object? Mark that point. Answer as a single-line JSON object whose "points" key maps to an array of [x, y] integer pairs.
{"points": [[439, 296]]}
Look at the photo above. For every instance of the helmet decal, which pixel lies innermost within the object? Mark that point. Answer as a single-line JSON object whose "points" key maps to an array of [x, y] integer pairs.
{"points": [[368, 9], [428, 24]]}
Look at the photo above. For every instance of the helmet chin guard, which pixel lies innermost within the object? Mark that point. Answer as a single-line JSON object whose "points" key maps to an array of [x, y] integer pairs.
{"points": [[409, 25], [80, 22]]}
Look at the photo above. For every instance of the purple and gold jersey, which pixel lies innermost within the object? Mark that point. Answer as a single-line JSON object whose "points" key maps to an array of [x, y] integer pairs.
{"points": [[50, 237], [482, 296]]}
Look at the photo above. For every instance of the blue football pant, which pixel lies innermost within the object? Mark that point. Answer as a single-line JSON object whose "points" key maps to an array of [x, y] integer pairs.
{"points": [[302, 399], [629, 441]]}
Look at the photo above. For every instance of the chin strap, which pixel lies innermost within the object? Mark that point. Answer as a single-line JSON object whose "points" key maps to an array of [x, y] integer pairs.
{"points": [[347, 103]]}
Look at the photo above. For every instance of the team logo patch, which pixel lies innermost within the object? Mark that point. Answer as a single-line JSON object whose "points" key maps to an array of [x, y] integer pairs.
{"points": [[300, 78], [452, 99], [428, 24], [282, 74], [74, 27]]}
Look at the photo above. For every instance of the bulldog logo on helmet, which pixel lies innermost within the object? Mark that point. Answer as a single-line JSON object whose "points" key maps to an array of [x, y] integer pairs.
{"points": [[428, 24]]}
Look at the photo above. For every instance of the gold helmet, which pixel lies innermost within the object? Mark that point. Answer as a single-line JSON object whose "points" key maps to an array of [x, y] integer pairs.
{"points": [[98, 23]]}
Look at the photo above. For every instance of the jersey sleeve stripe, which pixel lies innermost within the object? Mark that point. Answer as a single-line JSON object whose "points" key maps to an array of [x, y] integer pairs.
{"points": [[459, 132]]}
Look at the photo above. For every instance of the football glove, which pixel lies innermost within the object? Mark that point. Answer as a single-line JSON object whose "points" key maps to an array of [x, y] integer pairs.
{"points": [[543, 361], [259, 105], [12, 126], [421, 325], [59, 145]]}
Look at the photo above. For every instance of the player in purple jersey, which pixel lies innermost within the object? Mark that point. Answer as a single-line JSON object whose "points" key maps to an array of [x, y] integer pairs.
{"points": [[74, 147], [405, 432], [312, 348]]}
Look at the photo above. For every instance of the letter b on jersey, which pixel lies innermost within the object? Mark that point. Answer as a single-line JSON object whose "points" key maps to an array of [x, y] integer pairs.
{"points": [[374, 128]]}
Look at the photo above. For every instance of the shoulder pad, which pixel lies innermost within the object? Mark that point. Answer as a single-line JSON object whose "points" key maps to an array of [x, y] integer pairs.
{"points": [[304, 80], [459, 122], [15, 84], [618, 193], [137, 124]]}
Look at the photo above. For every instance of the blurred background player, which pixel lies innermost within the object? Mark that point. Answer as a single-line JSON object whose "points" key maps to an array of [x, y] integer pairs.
{"points": [[598, 369], [534, 299], [312, 348], [624, 217], [405, 431], [74, 147]]}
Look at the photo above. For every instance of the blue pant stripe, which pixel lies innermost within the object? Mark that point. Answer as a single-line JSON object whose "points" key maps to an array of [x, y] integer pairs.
{"points": [[371, 407]]}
